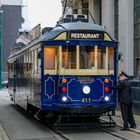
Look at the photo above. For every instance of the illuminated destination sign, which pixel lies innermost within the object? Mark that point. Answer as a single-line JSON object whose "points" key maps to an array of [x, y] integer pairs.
{"points": [[86, 35]]}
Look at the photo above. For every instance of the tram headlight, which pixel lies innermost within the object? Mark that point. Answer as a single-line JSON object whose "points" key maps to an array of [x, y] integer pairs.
{"points": [[64, 99], [86, 89], [106, 98]]}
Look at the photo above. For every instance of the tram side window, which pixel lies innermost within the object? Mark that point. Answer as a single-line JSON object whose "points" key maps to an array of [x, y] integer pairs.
{"points": [[20, 70], [69, 57], [101, 57], [87, 57], [111, 58], [30, 62], [35, 61], [10, 70], [49, 58], [25, 66], [39, 62]]}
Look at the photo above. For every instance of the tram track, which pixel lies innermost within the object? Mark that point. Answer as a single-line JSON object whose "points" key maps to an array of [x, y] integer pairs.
{"points": [[59, 131], [114, 134], [59, 134], [69, 133]]}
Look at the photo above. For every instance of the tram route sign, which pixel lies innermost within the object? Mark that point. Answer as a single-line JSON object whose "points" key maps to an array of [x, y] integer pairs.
{"points": [[88, 80], [85, 35]]}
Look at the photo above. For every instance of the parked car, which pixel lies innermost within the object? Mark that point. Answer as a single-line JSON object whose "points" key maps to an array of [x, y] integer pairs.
{"points": [[5, 84]]}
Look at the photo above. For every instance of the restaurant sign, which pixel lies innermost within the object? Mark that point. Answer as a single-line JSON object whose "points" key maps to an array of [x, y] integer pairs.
{"points": [[86, 35]]}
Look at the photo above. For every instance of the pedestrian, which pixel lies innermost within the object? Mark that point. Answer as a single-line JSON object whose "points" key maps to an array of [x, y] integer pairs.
{"points": [[125, 100]]}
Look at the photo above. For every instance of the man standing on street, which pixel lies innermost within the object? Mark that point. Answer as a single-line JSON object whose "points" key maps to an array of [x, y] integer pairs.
{"points": [[125, 99]]}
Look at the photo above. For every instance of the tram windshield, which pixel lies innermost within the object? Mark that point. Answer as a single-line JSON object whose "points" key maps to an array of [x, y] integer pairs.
{"points": [[84, 60], [89, 57], [69, 57]]}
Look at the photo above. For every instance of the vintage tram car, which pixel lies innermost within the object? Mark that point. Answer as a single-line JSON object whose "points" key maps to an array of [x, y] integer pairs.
{"points": [[67, 70]]}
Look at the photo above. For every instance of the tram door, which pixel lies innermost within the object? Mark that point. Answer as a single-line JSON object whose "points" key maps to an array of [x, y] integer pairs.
{"points": [[50, 73]]}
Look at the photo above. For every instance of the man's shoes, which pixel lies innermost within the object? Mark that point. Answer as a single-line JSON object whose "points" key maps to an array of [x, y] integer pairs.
{"points": [[133, 126], [124, 128]]}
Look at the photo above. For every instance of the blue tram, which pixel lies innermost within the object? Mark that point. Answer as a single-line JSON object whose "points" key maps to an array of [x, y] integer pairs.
{"points": [[67, 70]]}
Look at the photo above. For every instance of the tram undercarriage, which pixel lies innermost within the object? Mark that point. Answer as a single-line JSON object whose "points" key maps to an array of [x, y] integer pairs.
{"points": [[73, 119]]}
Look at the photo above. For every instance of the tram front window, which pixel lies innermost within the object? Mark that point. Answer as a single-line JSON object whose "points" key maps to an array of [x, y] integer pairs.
{"points": [[110, 58], [101, 57], [87, 57], [49, 58], [69, 57]]}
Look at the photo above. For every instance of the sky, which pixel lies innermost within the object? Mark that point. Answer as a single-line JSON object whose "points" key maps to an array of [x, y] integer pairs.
{"points": [[46, 12]]}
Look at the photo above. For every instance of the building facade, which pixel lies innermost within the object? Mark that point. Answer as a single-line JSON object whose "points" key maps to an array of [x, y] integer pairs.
{"points": [[0, 47], [11, 23], [122, 20], [137, 36]]}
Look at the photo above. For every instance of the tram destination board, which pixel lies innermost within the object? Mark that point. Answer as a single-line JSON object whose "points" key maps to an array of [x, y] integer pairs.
{"points": [[85, 35]]}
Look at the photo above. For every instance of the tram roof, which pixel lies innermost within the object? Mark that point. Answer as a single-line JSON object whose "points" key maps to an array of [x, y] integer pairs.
{"points": [[81, 26], [65, 27], [70, 27]]}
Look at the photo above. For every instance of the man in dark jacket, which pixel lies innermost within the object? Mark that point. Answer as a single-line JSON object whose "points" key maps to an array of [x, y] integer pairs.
{"points": [[125, 99]]}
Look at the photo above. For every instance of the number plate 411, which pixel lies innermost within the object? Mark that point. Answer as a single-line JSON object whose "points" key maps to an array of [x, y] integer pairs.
{"points": [[86, 100]]}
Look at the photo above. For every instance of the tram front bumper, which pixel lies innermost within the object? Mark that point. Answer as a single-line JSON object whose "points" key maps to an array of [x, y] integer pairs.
{"points": [[86, 109]]}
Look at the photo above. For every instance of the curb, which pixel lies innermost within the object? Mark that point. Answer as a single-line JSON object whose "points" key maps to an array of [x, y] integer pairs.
{"points": [[3, 135], [119, 125], [134, 130], [131, 129]]}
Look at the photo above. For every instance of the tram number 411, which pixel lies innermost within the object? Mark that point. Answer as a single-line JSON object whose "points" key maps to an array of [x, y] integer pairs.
{"points": [[86, 100]]}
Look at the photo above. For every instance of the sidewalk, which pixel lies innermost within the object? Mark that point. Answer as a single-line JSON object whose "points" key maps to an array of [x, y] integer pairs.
{"points": [[118, 119], [3, 135]]}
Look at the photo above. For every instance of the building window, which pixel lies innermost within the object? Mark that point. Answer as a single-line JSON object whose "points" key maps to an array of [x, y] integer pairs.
{"points": [[85, 7], [137, 37]]}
